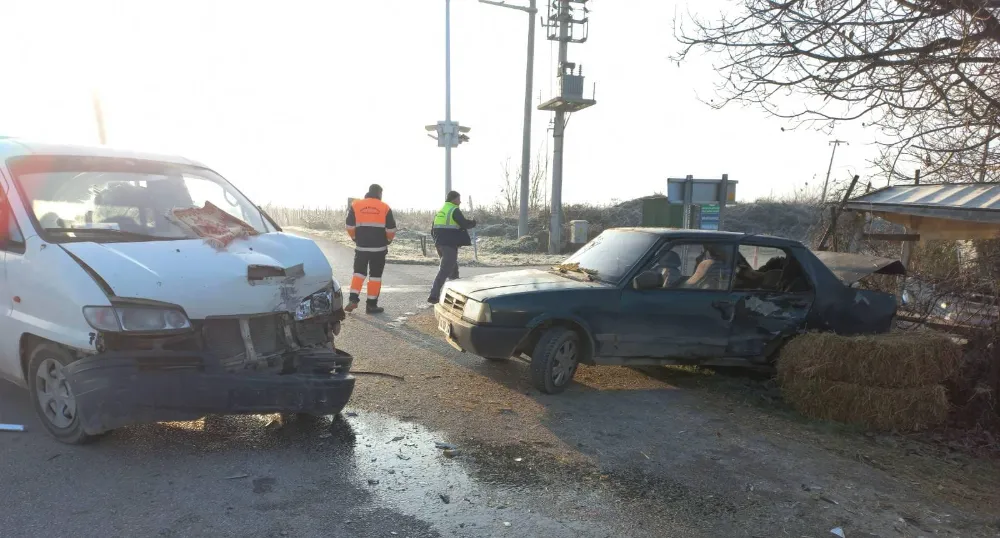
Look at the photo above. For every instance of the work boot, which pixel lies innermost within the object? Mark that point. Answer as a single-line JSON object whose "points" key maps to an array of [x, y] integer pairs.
{"points": [[371, 308], [432, 300], [351, 306]]}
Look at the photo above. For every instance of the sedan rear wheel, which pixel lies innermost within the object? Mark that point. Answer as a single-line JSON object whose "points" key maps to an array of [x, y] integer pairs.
{"points": [[555, 359]]}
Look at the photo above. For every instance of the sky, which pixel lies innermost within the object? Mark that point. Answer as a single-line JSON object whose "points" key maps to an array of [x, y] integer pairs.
{"points": [[308, 103]]}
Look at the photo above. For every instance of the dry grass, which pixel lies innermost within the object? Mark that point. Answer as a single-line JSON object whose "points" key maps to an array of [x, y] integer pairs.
{"points": [[892, 361], [910, 409]]}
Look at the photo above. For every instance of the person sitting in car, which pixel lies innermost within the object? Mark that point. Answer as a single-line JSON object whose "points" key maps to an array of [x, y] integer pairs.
{"points": [[711, 272]]}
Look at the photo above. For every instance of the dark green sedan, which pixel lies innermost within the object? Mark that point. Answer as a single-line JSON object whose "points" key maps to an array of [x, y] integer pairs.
{"points": [[647, 296]]}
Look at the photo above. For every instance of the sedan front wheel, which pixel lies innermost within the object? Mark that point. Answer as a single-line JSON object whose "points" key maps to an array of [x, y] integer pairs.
{"points": [[555, 359]]}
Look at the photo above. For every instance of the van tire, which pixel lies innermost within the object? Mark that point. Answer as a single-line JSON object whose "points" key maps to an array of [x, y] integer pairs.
{"points": [[555, 360], [46, 380]]}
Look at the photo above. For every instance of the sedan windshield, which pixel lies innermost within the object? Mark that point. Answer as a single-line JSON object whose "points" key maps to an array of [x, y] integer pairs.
{"points": [[610, 256], [118, 199]]}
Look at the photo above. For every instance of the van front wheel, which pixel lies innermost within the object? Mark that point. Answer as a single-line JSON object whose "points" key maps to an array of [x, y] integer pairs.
{"points": [[54, 401]]}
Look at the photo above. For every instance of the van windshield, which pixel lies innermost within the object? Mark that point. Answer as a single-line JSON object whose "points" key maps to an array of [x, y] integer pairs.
{"points": [[119, 199]]}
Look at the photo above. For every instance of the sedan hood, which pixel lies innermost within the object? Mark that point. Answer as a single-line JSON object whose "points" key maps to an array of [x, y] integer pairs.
{"points": [[483, 287], [264, 273]]}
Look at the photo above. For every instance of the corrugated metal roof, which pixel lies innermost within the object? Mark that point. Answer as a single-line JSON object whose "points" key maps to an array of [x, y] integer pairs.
{"points": [[977, 202], [959, 196]]}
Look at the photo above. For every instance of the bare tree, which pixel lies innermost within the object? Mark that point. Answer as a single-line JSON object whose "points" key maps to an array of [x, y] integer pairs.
{"points": [[926, 73], [510, 187]]}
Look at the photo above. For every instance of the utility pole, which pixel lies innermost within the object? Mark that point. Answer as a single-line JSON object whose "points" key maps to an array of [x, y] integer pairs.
{"points": [[826, 182], [99, 116], [447, 93], [449, 134], [522, 218], [568, 23]]}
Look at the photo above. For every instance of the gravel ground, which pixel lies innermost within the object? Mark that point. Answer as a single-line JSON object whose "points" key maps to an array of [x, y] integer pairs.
{"points": [[714, 455]]}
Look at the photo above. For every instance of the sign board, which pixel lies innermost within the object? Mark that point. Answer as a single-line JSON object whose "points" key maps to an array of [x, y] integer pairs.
{"points": [[709, 217], [350, 202], [703, 191]]}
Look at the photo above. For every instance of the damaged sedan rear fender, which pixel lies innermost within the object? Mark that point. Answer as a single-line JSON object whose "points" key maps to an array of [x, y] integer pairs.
{"points": [[841, 308]]}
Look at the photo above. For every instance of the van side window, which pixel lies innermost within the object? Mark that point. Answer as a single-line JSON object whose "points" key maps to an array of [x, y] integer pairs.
{"points": [[13, 239]]}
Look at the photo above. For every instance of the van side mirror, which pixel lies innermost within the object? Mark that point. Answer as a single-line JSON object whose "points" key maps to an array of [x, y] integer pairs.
{"points": [[647, 280]]}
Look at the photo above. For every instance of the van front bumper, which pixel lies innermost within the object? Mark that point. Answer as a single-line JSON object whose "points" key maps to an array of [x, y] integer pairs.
{"points": [[117, 389]]}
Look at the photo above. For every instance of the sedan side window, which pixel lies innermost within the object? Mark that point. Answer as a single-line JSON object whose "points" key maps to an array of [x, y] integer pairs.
{"points": [[701, 266], [761, 268]]}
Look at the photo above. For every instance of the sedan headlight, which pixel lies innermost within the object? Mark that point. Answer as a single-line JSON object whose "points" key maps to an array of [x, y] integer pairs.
{"points": [[477, 312], [127, 318], [322, 303]]}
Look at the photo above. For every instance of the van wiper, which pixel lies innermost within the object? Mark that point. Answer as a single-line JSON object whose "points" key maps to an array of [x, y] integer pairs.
{"points": [[112, 233]]}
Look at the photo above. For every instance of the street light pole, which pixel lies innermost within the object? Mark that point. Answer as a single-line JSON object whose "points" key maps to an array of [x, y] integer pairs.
{"points": [[447, 94], [522, 219]]}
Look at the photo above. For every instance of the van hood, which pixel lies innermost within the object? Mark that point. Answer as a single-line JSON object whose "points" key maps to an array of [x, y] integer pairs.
{"points": [[482, 287], [260, 274]]}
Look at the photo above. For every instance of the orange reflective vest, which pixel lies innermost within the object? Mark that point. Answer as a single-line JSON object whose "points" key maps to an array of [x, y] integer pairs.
{"points": [[371, 225]]}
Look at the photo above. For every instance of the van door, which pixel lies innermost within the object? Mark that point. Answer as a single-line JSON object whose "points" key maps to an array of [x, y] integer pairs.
{"points": [[11, 245]]}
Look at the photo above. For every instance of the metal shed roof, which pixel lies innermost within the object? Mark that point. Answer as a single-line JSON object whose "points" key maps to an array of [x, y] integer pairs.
{"points": [[978, 202], [963, 210]]}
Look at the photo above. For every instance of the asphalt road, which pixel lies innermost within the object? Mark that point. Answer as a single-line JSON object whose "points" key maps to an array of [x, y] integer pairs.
{"points": [[621, 453], [356, 475]]}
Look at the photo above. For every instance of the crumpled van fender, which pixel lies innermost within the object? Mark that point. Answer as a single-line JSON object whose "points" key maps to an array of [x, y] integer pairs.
{"points": [[550, 319]]}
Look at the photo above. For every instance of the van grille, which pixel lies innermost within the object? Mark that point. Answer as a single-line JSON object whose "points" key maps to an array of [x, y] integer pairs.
{"points": [[454, 303], [224, 339]]}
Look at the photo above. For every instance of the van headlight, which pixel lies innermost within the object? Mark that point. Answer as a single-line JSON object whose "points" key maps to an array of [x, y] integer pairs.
{"points": [[477, 312], [322, 303], [127, 318]]}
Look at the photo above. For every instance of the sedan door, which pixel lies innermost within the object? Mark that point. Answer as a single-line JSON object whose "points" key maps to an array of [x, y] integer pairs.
{"points": [[771, 297], [689, 314]]}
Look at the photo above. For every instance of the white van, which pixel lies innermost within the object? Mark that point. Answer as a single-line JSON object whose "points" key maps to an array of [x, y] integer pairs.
{"points": [[141, 288]]}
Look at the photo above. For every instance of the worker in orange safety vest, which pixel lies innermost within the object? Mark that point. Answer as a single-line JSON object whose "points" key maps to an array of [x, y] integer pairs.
{"points": [[372, 227]]}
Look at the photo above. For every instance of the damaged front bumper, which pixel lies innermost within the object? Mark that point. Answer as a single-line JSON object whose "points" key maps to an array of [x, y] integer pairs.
{"points": [[117, 389]]}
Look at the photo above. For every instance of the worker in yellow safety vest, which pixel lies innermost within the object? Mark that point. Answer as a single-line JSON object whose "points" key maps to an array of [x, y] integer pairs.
{"points": [[450, 231]]}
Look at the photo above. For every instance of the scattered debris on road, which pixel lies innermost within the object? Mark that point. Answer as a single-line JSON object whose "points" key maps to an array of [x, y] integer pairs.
{"points": [[444, 446], [237, 476], [838, 531], [381, 374], [451, 453], [445, 498], [11, 427]]}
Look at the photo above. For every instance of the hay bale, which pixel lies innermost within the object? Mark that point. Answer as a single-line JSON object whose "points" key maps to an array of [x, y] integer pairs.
{"points": [[895, 360], [909, 409]]}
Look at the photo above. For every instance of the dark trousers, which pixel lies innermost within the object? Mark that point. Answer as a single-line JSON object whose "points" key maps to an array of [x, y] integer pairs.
{"points": [[371, 265], [447, 270]]}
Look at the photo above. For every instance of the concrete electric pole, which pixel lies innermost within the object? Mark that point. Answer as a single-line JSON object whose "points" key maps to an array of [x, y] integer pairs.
{"points": [[826, 182], [522, 218], [567, 23], [99, 116]]}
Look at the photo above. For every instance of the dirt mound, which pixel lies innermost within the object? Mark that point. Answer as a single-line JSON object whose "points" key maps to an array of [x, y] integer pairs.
{"points": [[897, 360]]}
